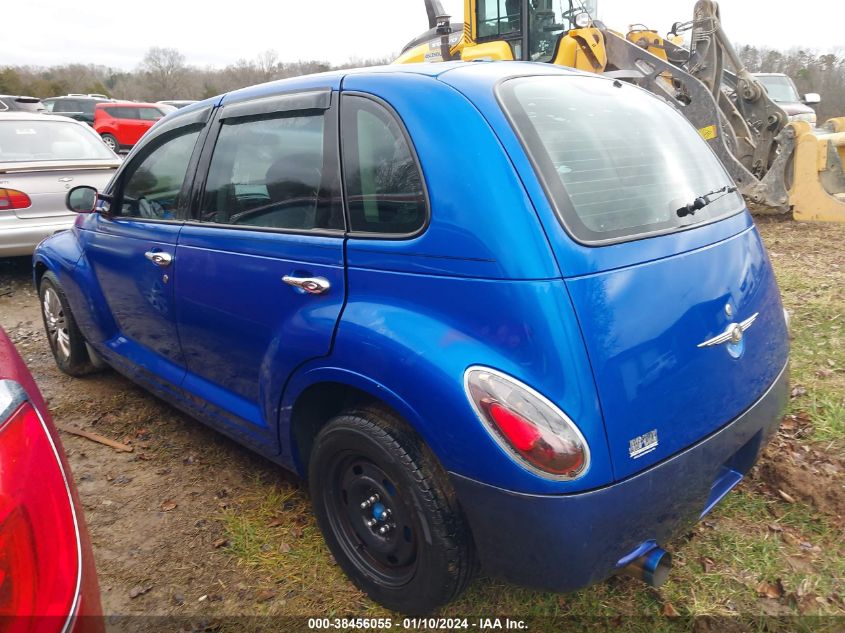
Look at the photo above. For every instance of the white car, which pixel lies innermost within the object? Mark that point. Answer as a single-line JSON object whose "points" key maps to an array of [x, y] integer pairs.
{"points": [[41, 158]]}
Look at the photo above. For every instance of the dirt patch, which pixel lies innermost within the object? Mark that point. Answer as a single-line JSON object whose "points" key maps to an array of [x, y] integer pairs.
{"points": [[806, 472]]}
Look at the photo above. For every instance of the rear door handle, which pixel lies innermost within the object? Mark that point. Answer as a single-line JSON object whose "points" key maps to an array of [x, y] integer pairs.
{"points": [[311, 285], [158, 258]]}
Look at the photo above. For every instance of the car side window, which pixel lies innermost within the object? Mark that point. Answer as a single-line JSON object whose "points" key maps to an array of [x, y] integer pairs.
{"points": [[125, 113], [151, 187], [384, 186], [149, 114], [67, 105], [273, 172]]}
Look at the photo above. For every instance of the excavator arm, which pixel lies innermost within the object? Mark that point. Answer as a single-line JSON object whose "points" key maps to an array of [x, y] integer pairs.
{"points": [[697, 102]]}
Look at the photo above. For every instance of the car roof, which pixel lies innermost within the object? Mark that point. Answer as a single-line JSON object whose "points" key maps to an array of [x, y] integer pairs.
{"points": [[134, 104], [77, 97], [485, 71], [36, 116]]}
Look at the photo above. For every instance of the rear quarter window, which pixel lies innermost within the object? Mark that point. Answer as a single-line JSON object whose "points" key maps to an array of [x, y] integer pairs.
{"points": [[384, 186], [122, 113], [149, 114], [616, 162]]}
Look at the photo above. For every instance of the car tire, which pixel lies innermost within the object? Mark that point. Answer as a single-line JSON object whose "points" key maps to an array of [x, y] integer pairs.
{"points": [[66, 341], [365, 462], [111, 142]]}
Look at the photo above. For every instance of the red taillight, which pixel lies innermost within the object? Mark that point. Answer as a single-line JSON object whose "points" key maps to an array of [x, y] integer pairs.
{"points": [[528, 424], [13, 199], [39, 540], [521, 433]]}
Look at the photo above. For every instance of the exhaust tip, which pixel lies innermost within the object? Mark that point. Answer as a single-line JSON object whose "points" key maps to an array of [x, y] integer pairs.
{"points": [[652, 568]]}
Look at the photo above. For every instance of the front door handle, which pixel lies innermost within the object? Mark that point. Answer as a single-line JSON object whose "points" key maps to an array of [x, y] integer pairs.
{"points": [[311, 285], [159, 258]]}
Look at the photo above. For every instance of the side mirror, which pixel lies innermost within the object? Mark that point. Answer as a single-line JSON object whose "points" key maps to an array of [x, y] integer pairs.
{"points": [[81, 199], [811, 98]]}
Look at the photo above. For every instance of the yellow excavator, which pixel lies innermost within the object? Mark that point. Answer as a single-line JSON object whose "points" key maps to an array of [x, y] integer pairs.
{"points": [[779, 165]]}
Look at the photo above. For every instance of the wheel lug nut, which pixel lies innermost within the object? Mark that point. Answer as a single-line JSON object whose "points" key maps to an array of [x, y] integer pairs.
{"points": [[369, 502], [371, 523], [385, 514], [384, 529]]}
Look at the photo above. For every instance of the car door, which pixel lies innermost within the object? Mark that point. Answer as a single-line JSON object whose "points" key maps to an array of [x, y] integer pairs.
{"points": [[126, 125], [131, 252], [261, 264], [147, 117]]}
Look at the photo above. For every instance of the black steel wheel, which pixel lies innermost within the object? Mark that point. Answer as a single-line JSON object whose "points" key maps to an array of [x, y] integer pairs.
{"points": [[387, 513], [373, 521]]}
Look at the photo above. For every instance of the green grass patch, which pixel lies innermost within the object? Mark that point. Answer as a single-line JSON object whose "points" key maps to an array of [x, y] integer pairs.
{"points": [[808, 263]]}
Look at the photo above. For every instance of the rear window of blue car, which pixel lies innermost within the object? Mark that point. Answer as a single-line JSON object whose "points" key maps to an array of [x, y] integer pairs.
{"points": [[616, 162]]}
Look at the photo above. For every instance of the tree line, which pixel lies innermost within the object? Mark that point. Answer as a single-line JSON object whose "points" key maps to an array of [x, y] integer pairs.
{"points": [[164, 74]]}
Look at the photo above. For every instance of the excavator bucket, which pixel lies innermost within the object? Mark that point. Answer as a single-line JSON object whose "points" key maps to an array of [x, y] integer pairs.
{"points": [[818, 180]]}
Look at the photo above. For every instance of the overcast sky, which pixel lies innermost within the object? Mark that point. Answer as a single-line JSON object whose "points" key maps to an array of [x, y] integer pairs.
{"points": [[116, 34]]}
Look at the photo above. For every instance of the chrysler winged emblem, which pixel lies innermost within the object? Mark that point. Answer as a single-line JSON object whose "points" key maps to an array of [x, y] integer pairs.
{"points": [[733, 334]]}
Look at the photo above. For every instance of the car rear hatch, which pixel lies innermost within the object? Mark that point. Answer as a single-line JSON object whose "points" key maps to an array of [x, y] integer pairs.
{"points": [[680, 312], [44, 157], [652, 331], [47, 183]]}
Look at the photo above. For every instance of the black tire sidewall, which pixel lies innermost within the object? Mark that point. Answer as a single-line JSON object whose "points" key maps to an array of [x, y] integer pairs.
{"points": [[77, 363], [114, 140], [430, 585]]}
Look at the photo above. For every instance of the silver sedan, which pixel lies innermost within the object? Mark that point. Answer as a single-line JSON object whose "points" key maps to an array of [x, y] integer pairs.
{"points": [[41, 158]]}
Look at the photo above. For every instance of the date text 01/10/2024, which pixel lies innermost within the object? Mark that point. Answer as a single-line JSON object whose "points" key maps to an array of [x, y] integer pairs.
{"points": [[412, 624]]}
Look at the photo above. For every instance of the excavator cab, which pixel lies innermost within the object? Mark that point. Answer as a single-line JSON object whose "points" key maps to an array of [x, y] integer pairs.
{"points": [[532, 28], [524, 30], [776, 163]]}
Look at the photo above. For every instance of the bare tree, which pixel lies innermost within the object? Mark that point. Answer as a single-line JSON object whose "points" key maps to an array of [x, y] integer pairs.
{"points": [[164, 70], [267, 64]]}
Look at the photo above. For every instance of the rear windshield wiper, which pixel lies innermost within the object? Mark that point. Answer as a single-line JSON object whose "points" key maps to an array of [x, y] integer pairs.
{"points": [[703, 200]]}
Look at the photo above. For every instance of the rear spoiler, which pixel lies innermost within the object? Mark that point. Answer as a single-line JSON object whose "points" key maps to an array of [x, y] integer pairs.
{"points": [[32, 166]]}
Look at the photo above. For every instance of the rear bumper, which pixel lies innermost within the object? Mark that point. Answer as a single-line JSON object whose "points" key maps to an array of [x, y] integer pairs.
{"points": [[565, 542], [21, 236]]}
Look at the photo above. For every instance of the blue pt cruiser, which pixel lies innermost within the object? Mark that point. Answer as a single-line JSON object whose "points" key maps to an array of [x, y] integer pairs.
{"points": [[495, 313]]}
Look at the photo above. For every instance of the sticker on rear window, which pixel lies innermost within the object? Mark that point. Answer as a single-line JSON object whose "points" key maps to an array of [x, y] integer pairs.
{"points": [[26, 130], [645, 443]]}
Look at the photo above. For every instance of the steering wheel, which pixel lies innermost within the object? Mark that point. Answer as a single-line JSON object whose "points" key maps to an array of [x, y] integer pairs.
{"points": [[568, 16]]}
